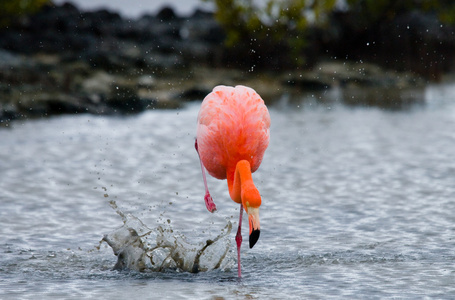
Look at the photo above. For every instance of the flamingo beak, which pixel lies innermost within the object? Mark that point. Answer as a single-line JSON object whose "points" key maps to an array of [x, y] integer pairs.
{"points": [[253, 220]]}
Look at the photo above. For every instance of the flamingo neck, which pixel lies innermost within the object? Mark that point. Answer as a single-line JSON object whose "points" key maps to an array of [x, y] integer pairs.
{"points": [[241, 186]]}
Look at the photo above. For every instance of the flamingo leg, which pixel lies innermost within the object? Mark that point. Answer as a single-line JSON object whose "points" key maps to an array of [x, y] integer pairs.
{"points": [[238, 239], [211, 207]]}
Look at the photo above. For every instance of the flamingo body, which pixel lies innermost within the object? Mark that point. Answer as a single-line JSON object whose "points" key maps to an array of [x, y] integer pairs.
{"points": [[232, 136], [233, 125]]}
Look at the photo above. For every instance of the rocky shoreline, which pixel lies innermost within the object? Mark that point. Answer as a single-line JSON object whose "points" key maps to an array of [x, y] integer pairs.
{"points": [[63, 61]]}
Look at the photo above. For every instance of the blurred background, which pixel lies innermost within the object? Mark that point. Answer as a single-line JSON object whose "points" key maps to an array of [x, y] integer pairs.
{"points": [[117, 57]]}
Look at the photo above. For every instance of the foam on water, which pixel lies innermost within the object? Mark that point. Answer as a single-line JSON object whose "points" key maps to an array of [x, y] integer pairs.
{"points": [[143, 249]]}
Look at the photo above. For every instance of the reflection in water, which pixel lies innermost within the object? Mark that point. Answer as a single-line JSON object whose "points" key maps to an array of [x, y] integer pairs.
{"points": [[388, 99], [140, 248]]}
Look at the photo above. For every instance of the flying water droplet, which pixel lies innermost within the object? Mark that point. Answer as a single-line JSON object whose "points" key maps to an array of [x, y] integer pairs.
{"points": [[141, 248]]}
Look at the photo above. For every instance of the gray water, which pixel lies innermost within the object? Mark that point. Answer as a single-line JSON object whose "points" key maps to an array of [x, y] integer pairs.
{"points": [[358, 202]]}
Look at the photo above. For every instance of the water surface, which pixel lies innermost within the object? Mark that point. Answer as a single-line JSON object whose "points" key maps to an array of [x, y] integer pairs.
{"points": [[358, 202]]}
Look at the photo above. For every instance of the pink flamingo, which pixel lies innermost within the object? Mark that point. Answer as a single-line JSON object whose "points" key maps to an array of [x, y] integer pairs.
{"points": [[232, 135]]}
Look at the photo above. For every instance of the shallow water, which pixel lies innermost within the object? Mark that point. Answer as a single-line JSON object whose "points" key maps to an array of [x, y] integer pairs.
{"points": [[357, 202]]}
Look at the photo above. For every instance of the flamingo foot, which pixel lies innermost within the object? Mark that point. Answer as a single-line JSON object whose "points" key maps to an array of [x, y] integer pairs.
{"points": [[211, 207]]}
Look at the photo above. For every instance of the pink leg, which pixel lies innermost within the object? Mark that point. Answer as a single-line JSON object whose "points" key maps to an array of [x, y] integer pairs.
{"points": [[238, 239], [211, 207]]}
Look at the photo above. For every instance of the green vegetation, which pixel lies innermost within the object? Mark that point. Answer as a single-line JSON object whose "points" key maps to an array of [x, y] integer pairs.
{"points": [[283, 25], [12, 9], [242, 17], [278, 24]]}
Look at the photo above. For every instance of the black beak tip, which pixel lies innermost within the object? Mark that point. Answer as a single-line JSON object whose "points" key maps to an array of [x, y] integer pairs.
{"points": [[254, 236]]}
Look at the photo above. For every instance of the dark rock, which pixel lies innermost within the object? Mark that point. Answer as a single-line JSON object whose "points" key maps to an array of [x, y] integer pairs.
{"points": [[308, 83], [62, 60], [390, 99], [63, 104], [47, 104], [166, 14], [195, 93], [345, 74], [202, 14], [125, 100], [8, 113], [9, 60]]}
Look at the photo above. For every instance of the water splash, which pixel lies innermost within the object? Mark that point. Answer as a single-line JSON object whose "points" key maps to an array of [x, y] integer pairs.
{"points": [[143, 249]]}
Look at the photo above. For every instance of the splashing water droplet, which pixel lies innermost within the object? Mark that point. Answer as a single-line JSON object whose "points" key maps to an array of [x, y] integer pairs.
{"points": [[141, 248]]}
